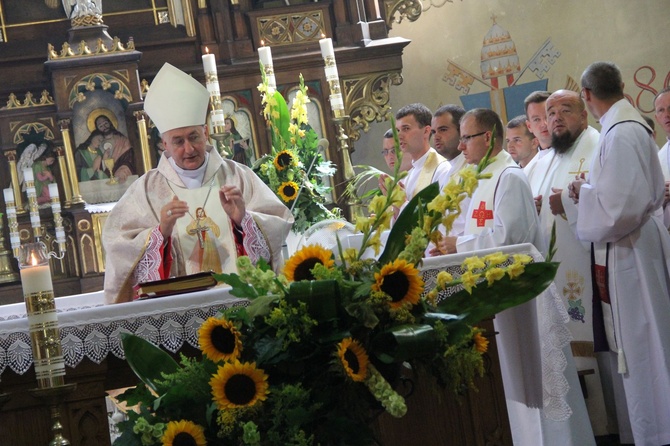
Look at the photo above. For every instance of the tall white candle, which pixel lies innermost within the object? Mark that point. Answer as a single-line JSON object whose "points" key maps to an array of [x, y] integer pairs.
{"points": [[327, 47], [265, 55], [28, 174], [42, 317], [53, 190], [9, 195], [209, 63], [211, 78], [35, 279]]}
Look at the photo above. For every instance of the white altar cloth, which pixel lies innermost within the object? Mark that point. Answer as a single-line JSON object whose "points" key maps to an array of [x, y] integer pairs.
{"points": [[90, 329]]}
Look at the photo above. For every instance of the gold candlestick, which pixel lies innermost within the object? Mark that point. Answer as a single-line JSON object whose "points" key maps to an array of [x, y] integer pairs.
{"points": [[7, 274], [18, 199], [67, 188], [144, 140]]}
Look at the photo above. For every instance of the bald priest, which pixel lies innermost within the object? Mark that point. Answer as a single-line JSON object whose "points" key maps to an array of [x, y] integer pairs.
{"points": [[196, 211]]}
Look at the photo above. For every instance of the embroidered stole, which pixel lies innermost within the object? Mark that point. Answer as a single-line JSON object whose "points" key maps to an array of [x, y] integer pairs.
{"points": [[481, 212], [425, 177]]}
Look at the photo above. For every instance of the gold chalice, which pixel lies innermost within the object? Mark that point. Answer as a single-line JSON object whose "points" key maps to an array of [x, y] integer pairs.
{"points": [[109, 163]]}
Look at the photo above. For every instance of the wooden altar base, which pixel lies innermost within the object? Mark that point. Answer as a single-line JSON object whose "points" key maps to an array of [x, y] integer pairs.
{"points": [[435, 417]]}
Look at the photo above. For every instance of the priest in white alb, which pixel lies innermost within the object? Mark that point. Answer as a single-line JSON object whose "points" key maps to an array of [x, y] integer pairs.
{"points": [[544, 400], [194, 212]]}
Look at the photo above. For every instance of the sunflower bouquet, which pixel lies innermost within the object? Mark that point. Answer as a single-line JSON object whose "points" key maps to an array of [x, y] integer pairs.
{"points": [[296, 168], [317, 353]]}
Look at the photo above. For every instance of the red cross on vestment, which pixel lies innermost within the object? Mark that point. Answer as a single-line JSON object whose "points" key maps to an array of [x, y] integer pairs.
{"points": [[482, 214]]}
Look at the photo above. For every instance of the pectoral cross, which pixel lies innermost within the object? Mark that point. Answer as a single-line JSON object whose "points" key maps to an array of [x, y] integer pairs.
{"points": [[199, 230], [579, 169]]}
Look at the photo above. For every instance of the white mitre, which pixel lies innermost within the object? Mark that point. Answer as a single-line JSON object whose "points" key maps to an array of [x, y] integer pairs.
{"points": [[176, 100]]}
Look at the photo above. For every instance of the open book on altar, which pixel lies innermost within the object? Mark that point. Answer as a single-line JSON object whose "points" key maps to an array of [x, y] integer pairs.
{"points": [[175, 285]]}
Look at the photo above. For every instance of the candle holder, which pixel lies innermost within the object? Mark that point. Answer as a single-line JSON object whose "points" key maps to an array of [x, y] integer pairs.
{"points": [[53, 396], [343, 147], [7, 274]]}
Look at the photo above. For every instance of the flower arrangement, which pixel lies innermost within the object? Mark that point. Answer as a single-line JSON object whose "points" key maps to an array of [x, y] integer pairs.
{"points": [[295, 168], [316, 353]]}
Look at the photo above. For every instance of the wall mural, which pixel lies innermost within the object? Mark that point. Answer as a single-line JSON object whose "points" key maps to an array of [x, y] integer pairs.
{"points": [[500, 63]]}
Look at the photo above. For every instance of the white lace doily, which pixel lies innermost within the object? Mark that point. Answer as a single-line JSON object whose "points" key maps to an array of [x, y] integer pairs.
{"points": [[552, 319], [89, 329]]}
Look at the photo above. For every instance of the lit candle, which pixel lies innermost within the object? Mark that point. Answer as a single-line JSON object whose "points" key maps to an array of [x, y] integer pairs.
{"points": [[42, 317], [209, 62], [36, 278], [265, 56], [211, 78], [332, 77], [9, 195], [28, 174]]}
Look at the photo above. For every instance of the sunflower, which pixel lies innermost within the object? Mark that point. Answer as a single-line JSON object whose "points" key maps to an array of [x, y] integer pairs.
{"points": [[353, 358], [184, 433], [284, 159], [219, 340], [401, 281], [299, 266], [481, 343], [238, 385], [288, 190]]}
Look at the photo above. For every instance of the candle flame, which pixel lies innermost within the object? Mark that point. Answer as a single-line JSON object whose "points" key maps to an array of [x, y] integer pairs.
{"points": [[323, 36], [206, 50], [262, 42], [33, 259]]}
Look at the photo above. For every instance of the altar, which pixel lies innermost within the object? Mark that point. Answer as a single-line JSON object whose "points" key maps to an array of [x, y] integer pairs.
{"points": [[90, 334]]}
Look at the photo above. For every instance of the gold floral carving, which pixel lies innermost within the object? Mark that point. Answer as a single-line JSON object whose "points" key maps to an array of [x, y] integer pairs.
{"points": [[367, 98], [82, 50], [291, 28], [103, 81], [84, 225], [27, 128], [398, 10], [29, 101]]}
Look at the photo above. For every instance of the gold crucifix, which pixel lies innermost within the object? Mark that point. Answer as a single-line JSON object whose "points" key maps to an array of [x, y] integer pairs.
{"points": [[579, 169]]}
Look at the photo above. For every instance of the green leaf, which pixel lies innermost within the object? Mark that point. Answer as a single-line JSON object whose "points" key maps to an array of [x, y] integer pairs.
{"points": [[404, 342], [283, 121], [147, 360], [407, 220], [505, 293], [261, 306], [240, 288]]}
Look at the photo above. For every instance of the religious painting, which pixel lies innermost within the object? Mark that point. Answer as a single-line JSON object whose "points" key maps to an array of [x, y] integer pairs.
{"points": [[104, 154], [238, 141], [36, 155]]}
